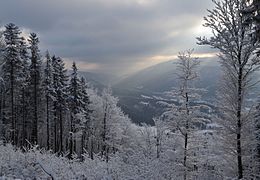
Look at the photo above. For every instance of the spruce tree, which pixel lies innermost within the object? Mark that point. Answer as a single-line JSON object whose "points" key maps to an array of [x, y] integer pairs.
{"points": [[86, 111], [48, 90], [35, 83], [60, 79], [11, 73], [74, 104], [24, 93]]}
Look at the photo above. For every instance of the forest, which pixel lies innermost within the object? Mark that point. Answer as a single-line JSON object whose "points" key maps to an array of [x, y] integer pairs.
{"points": [[54, 124]]}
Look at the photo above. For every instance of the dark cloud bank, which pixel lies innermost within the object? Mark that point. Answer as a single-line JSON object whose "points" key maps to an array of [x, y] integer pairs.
{"points": [[111, 35]]}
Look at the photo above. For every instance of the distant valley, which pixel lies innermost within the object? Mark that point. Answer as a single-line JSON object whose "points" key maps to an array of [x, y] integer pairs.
{"points": [[139, 93]]}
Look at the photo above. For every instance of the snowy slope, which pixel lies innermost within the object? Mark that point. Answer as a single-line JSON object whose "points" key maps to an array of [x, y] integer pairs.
{"points": [[15, 164]]}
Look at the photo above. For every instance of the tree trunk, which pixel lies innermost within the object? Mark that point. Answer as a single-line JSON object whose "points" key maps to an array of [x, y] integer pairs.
{"points": [[55, 127], [186, 137], [24, 118], [157, 145], [239, 107], [82, 145], [47, 122], [1, 114], [61, 131], [35, 132], [91, 148], [71, 137], [104, 132], [12, 104]]}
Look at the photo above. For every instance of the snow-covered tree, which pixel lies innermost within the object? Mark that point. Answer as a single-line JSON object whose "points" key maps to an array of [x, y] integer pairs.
{"points": [[85, 115], [2, 46], [257, 135], [24, 94], [59, 95], [109, 129], [35, 83], [185, 116], [252, 18], [2, 86], [48, 90], [239, 63], [2, 102], [160, 127], [75, 104], [11, 69], [93, 144], [102, 120]]}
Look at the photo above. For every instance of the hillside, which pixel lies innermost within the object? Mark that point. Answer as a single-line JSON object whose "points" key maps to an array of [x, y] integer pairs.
{"points": [[139, 93]]}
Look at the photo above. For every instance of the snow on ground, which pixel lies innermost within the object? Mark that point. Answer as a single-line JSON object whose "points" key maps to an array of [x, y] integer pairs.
{"points": [[146, 97], [144, 103], [14, 164]]}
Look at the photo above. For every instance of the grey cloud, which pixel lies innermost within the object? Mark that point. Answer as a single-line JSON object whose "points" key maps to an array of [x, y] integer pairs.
{"points": [[114, 33]]}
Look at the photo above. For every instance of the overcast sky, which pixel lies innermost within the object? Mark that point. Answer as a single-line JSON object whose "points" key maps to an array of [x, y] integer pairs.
{"points": [[114, 36]]}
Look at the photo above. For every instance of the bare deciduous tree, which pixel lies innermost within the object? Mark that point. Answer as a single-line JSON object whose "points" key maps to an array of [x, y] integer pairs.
{"points": [[239, 63]]}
